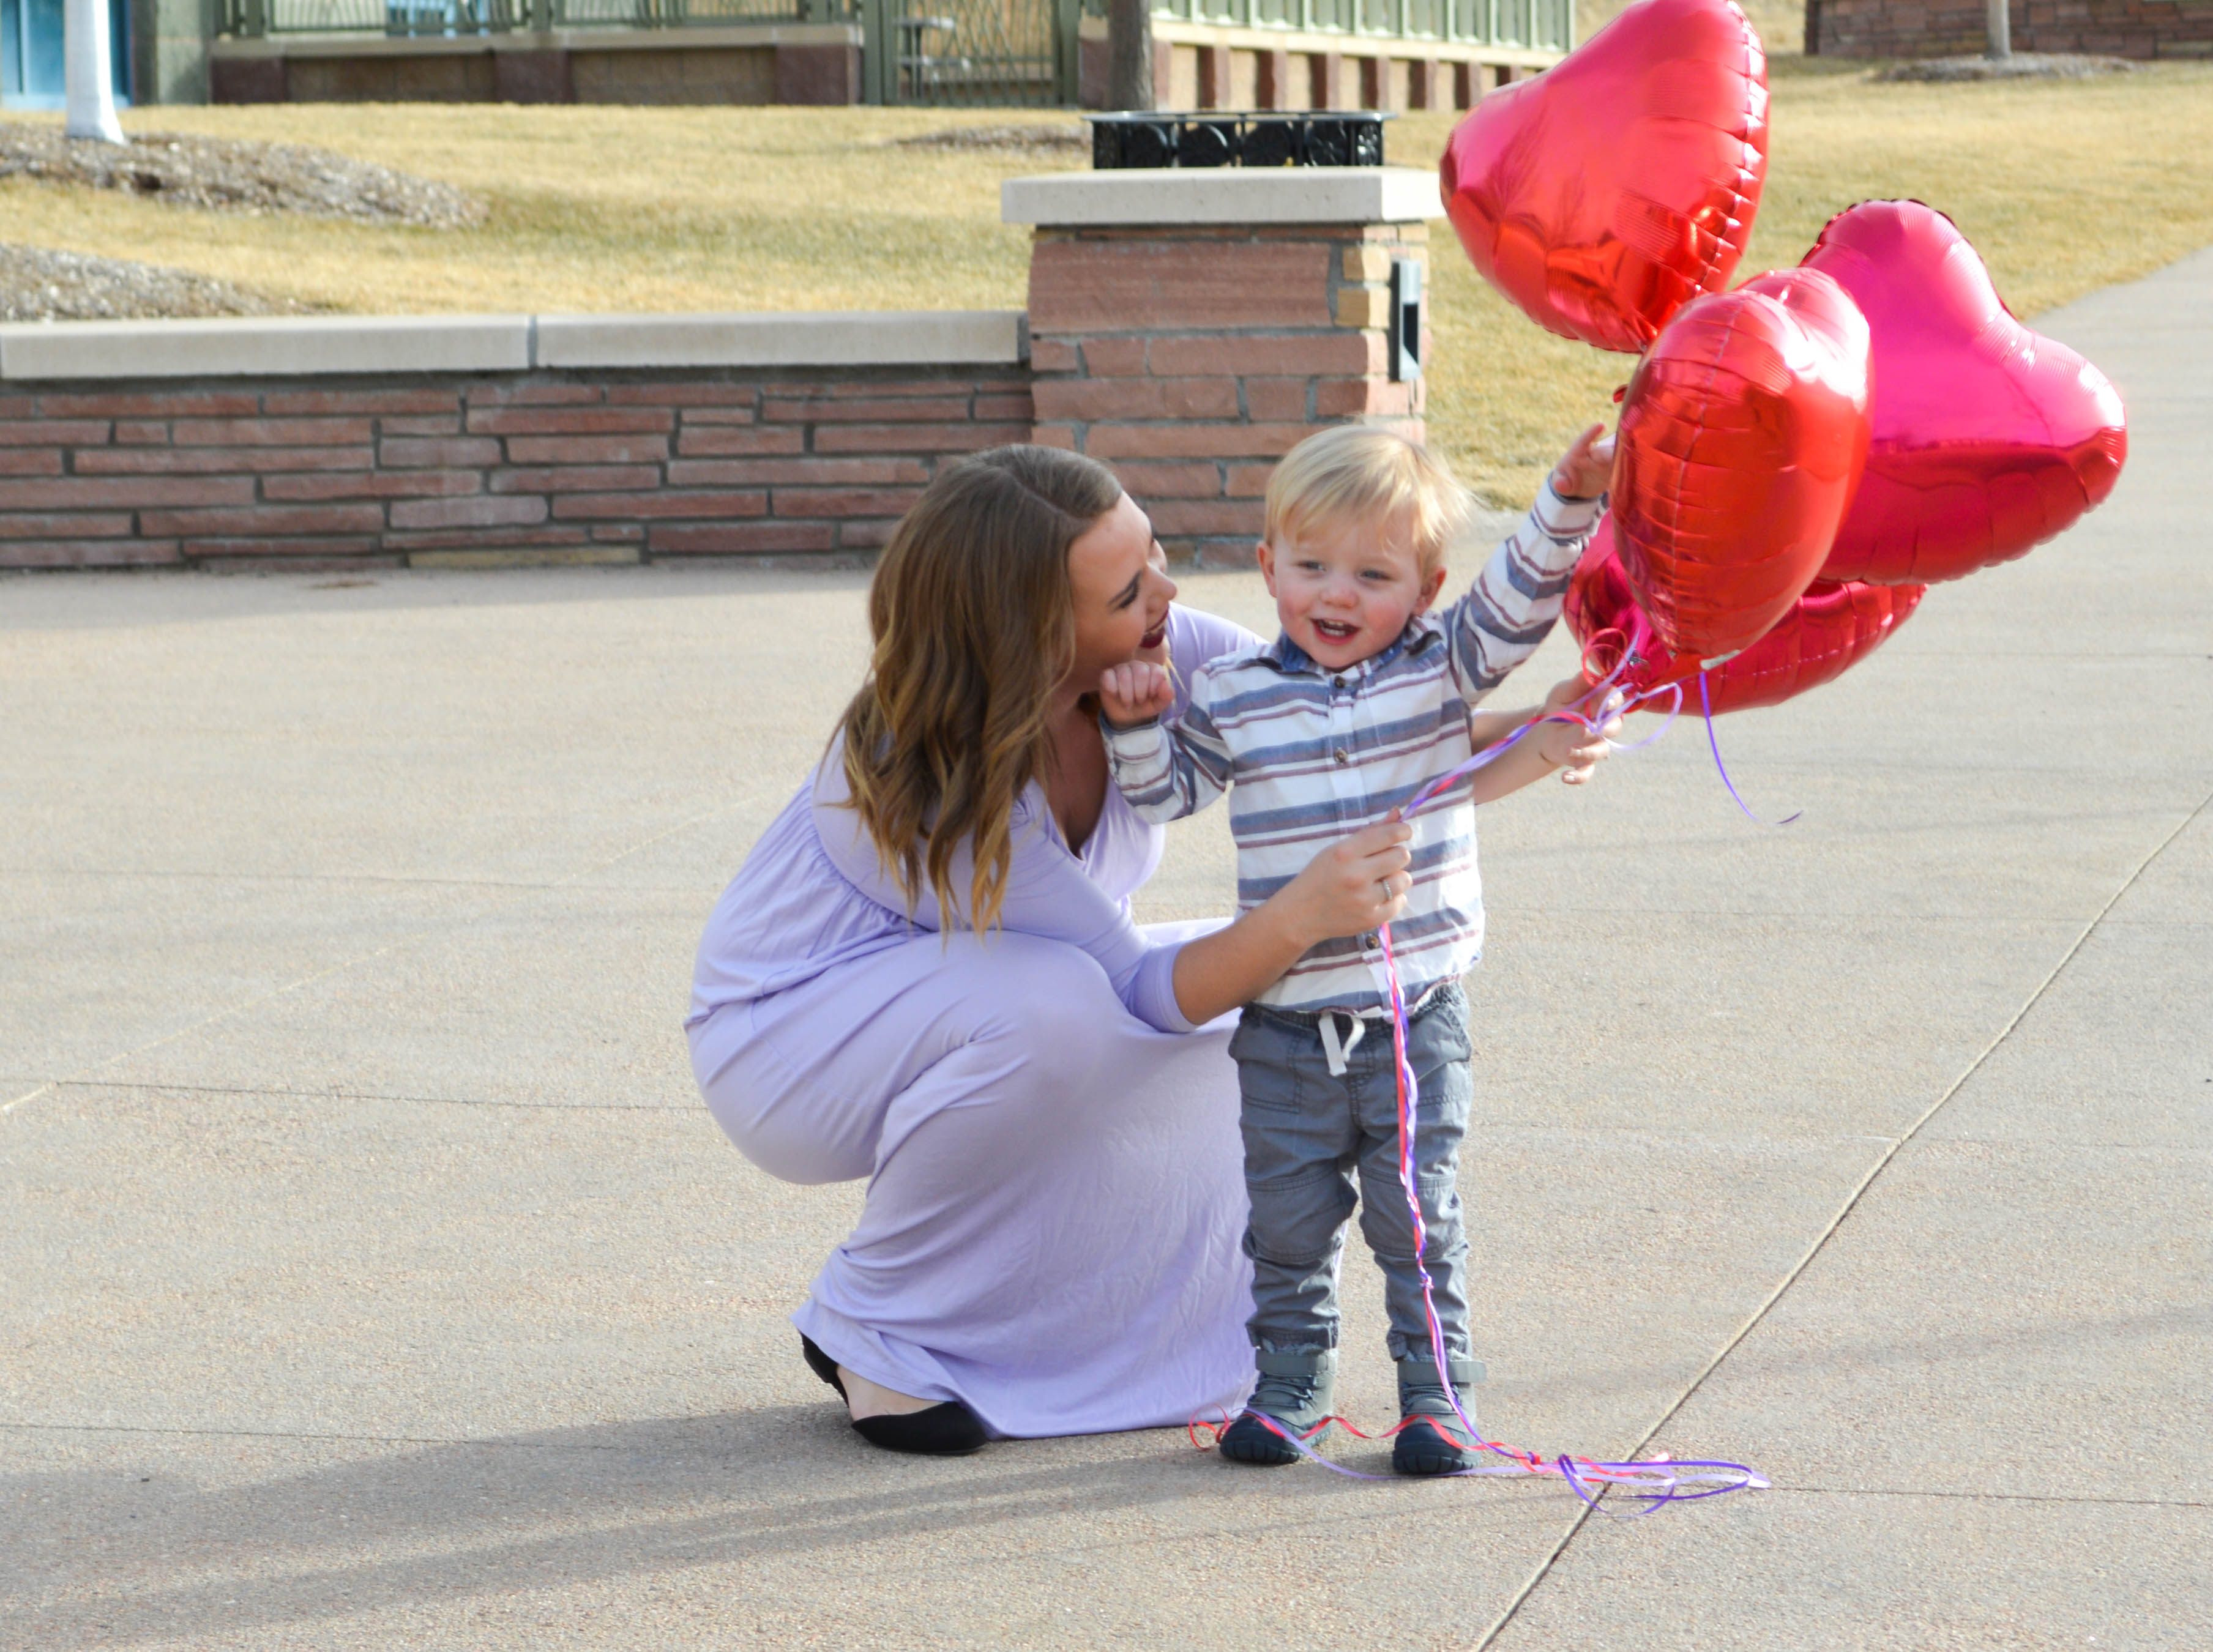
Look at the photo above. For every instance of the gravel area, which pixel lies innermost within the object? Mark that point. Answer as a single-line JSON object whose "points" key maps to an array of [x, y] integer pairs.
{"points": [[2022, 65], [230, 175], [37, 285]]}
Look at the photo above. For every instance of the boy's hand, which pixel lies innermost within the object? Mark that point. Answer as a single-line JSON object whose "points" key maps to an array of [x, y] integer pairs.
{"points": [[1135, 692], [1570, 747], [1588, 467], [1564, 693]]}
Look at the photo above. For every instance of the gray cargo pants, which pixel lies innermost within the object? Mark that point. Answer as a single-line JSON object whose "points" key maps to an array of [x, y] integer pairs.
{"points": [[1308, 1132]]}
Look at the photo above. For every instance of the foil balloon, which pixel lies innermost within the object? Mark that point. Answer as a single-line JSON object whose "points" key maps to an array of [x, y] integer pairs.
{"points": [[1988, 438], [1620, 184], [1833, 627], [1742, 435]]}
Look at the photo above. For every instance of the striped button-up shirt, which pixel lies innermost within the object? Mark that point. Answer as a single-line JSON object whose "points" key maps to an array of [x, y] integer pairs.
{"points": [[1310, 755]]}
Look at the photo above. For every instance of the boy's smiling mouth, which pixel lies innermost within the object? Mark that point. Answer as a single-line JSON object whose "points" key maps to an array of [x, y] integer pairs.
{"points": [[1335, 631]]}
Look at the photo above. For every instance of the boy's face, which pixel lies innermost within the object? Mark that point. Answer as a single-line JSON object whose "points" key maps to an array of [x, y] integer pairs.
{"points": [[1344, 590]]}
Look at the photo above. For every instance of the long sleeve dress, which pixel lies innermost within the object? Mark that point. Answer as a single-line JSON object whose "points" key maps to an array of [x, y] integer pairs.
{"points": [[1050, 1233]]}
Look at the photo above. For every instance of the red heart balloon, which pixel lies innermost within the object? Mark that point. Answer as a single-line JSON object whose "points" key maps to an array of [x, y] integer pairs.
{"points": [[1619, 185], [1831, 628], [1988, 438], [1742, 437]]}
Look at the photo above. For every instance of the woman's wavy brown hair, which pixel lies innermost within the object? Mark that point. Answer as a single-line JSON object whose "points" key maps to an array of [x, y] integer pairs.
{"points": [[975, 626]]}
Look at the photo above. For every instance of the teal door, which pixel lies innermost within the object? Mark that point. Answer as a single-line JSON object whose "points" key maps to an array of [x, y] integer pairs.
{"points": [[31, 52]]}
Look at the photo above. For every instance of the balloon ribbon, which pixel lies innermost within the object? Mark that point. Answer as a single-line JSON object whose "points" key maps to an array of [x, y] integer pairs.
{"points": [[1657, 1481]]}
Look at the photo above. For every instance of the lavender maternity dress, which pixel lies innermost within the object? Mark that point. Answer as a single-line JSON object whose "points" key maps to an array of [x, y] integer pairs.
{"points": [[1055, 1189]]}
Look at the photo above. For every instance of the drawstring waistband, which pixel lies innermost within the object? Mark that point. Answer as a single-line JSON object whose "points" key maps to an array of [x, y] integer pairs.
{"points": [[1332, 1045], [1341, 1030]]}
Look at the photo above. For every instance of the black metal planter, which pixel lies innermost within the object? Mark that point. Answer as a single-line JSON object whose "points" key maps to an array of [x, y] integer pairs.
{"points": [[1228, 139]]}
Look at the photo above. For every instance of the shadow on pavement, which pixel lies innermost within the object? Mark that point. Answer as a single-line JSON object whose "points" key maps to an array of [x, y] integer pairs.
{"points": [[568, 1506]]}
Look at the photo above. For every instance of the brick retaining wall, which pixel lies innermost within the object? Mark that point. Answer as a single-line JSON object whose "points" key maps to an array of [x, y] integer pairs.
{"points": [[479, 470], [1938, 28], [1185, 328]]}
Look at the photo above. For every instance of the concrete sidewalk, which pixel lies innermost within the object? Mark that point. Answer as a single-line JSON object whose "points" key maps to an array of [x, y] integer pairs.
{"points": [[373, 1278]]}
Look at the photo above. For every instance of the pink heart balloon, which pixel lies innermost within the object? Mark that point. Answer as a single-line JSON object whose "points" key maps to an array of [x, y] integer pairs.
{"points": [[1620, 184], [1988, 438]]}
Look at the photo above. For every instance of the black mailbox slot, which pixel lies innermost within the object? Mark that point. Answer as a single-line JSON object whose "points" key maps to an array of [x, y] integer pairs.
{"points": [[1405, 318]]}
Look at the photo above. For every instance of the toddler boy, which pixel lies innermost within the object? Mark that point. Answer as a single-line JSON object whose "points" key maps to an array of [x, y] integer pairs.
{"points": [[1364, 697]]}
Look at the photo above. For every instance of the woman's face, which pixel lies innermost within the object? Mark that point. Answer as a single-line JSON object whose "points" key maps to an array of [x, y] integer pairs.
{"points": [[1118, 575]]}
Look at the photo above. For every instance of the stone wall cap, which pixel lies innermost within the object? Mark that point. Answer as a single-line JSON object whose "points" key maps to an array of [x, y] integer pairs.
{"points": [[804, 339], [1226, 195], [306, 345], [273, 346]]}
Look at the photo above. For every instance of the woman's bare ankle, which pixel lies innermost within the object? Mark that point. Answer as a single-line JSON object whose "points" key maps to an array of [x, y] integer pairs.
{"points": [[867, 1398]]}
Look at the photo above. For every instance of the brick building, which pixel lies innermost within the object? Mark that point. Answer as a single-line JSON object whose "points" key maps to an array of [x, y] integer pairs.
{"points": [[1939, 28]]}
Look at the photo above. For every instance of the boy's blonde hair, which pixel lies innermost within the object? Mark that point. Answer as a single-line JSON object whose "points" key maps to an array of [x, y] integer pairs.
{"points": [[1353, 473]]}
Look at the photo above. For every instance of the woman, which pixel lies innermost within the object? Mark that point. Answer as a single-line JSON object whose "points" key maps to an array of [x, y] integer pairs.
{"points": [[926, 974]]}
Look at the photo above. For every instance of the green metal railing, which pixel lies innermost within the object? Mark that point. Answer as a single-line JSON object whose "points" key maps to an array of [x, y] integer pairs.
{"points": [[1007, 31], [980, 53], [931, 51], [250, 19], [1536, 24]]}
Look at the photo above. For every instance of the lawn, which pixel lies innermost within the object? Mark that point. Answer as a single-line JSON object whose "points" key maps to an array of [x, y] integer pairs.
{"points": [[2066, 186]]}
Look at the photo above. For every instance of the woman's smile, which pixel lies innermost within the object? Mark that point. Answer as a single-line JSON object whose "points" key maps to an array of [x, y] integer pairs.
{"points": [[1153, 638]]}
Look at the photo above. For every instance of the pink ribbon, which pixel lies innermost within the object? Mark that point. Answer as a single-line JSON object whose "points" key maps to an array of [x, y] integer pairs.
{"points": [[1659, 1480]]}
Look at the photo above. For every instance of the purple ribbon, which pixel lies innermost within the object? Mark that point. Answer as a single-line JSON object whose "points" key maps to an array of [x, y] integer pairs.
{"points": [[1651, 1484]]}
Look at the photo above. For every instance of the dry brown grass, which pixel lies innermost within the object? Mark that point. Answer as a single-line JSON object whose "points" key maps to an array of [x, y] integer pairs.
{"points": [[2064, 185], [1781, 23]]}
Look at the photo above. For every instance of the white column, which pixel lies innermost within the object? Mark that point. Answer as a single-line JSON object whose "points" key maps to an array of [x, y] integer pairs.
{"points": [[1999, 29], [87, 75]]}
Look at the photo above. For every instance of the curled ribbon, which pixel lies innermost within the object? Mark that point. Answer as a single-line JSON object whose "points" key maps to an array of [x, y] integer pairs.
{"points": [[1655, 1482]]}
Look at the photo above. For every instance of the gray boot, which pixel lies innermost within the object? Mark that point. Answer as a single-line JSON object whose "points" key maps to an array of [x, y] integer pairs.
{"points": [[1424, 1446], [1297, 1391]]}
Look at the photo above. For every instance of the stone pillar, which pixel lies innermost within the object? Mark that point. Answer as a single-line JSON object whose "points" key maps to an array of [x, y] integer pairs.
{"points": [[1271, 76], [1325, 70], [1187, 328], [1214, 77], [169, 50]]}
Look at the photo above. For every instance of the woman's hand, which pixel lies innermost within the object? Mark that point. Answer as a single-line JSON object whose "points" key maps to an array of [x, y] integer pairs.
{"points": [[1356, 883], [1349, 888]]}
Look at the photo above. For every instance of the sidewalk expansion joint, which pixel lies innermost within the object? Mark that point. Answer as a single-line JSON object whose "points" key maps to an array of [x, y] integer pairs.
{"points": [[288, 1434], [1851, 1203], [410, 938], [370, 1096], [1990, 1497]]}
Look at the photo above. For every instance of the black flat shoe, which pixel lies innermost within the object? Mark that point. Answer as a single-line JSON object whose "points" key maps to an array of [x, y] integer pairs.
{"points": [[821, 1364], [949, 1430]]}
